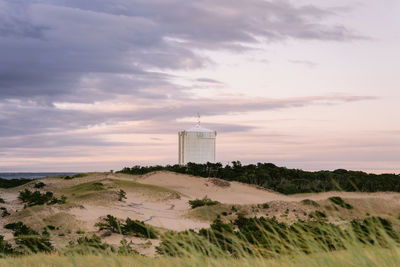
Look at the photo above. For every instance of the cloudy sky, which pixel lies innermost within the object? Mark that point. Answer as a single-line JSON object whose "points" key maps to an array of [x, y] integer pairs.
{"points": [[97, 85]]}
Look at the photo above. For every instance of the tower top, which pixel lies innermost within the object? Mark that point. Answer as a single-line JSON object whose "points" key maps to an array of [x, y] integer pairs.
{"points": [[198, 120]]}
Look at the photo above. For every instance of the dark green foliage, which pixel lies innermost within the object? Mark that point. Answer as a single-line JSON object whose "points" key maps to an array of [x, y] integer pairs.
{"points": [[2, 200], [89, 245], [28, 240], [318, 215], [283, 180], [202, 202], [4, 212], [8, 183], [138, 228], [60, 200], [39, 185], [78, 175], [125, 248], [110, 223], [121, 195], [340, 202], [268, 237], [310, 202], [5, 248], [37, 198], [69, 177], [129, 227], [265, 206]]}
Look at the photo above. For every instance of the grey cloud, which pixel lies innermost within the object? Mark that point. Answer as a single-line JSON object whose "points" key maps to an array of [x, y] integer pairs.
{"points": [[49, 48], [307, 63], [25, 118], [208, 80], [82, 51]]}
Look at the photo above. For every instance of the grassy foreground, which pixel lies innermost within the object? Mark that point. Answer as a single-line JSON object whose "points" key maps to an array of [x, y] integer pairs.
{"points": [[356, 256]]}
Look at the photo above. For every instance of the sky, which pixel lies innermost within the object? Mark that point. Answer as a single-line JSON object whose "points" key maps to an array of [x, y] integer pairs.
{"points": [[91, 85]]}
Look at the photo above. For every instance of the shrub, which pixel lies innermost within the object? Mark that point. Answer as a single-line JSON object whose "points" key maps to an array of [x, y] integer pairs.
{"points": [[318, 215], [202, 202], [129, 227], [89, 245], [28, 240], [110, 223], [121, 195], [2, 200], [37, 198], [4, 212], [125, 248], [340, 202], [39, 185], [265, 206], [5, 248], [138, 228], [310, 202]]}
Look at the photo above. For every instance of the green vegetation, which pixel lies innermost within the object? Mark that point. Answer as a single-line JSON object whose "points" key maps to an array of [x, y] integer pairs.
{"points": [[265, 237], [310, 202], [78, 175], [121, 195], [37, 198], [340, 202], [39, 185], [4, 212], [9, 183], [2, 200], [202, 202], [243, 242], [5, 248], [89, 245], [283, 180], [129, 227], [28, 240]]}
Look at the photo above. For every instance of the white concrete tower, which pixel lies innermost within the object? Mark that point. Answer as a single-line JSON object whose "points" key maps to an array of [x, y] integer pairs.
{"points": [[197, 145]]}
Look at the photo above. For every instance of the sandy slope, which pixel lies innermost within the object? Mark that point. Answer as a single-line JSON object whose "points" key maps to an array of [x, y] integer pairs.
{"points": [[196, 187], [161, 200]]}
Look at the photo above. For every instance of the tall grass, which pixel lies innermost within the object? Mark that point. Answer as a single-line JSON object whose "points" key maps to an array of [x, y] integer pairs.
{"points": [[327, 246]]}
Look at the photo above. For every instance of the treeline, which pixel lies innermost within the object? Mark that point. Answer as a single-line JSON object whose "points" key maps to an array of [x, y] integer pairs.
{"points": [[281, 179], [8, 183]]}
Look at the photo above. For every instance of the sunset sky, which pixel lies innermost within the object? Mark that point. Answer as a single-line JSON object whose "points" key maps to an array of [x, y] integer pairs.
{"points": [[94, 85]]}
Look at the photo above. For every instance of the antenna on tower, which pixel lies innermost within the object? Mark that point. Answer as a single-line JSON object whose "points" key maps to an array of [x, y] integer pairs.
{"points": [[198, 120]]}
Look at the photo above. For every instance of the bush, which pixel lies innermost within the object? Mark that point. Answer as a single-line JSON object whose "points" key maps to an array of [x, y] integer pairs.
{"points": [[202, 202], [89, 245], [138, 228], [125, 248], [37, 198], [39, 185], [310, 202], [28, 240], [4, 212], [318, 215], [129, 227], [2, 200], [340, 202], [5, 248], [265, 206], [121, 195]]}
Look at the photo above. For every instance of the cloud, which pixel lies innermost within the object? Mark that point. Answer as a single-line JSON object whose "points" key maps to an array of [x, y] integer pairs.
{"points": [[84, 51], [119, 58], [306, 63]]}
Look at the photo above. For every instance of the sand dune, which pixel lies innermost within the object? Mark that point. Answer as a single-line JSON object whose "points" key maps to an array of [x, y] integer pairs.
{"points": [[161, 199]]}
